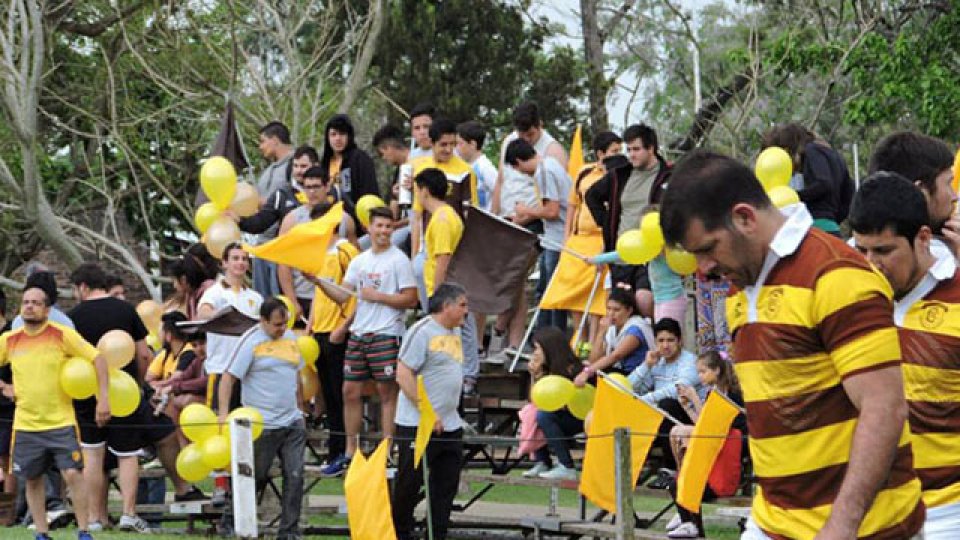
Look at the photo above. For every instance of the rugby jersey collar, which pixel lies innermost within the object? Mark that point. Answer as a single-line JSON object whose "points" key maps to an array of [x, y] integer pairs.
{"points": [[943, 268], [785, 242]]}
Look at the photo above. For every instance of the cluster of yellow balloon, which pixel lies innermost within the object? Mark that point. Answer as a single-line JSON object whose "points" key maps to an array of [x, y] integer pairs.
{"points": [[210, 442], [364, 205], [119, 349], [774, 168], [218, 179], [553, 392], [640, 246], [151, 314], [309, 384], [251, 414], [78, 378]]}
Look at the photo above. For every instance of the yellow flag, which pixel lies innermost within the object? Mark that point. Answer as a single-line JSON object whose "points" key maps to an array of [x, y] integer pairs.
{"points": [[707, 440], [368, 499], [428, 417], [576, 154], [612, 409], [303, 246]]}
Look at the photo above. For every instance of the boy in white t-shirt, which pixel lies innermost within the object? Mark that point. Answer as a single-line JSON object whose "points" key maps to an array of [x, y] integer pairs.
{"points": [[470, 137], [382, 277]]}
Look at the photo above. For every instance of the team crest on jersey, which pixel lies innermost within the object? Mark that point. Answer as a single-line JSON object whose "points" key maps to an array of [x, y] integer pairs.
{"points": [[932, 315], [75, 456], [774, 302]]}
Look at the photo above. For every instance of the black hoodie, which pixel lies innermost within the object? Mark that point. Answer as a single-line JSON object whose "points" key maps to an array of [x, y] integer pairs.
{"points": [[358, 176]]}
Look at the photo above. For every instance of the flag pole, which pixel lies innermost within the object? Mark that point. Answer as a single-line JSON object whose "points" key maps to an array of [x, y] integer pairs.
{"points": [[586, 309], [426, 488], [635, 396]]}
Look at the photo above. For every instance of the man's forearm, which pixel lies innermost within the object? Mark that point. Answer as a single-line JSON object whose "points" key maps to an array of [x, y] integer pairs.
{"points": [[333, 292], [225, 393], [405, 299], [875, 443]]}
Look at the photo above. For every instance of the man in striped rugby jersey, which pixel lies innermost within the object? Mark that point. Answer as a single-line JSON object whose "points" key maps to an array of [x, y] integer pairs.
{"points": [[892, 228], [816, 353]]}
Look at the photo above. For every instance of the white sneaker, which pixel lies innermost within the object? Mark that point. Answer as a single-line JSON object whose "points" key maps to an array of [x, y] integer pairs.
{"points": [[559, 472], [685, 530], [94, 526], [674, 522], [534, 472], [134, 524]]}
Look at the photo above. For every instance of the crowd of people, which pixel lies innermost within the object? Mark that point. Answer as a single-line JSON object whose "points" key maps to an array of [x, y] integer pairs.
{"points": [[834, 346]]}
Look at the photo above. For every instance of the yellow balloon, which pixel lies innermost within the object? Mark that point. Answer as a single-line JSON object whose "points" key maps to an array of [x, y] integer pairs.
{"points": [[774, 167], [218, 179], [622, 379], [190, 464], [639, 246], [650, 227], [198, 422], [290, 309], [364, 205], [222, 232], [205, 215], [117, 347], [681, 262], [309, 350], [309, 384], [552, 392], [247, 201], [782, 196], [151, 314], [215, 452], [78, 378], [124, 393], [582, 401], [256, 421]]}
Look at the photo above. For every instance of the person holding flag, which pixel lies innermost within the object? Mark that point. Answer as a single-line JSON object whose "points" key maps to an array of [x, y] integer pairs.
{"points": [[431, 350]]}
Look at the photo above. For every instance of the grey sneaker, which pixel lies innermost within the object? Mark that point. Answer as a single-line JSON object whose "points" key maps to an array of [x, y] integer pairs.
{"points": [[559, 472], [534, 472], [95, 526], [134, 524]]}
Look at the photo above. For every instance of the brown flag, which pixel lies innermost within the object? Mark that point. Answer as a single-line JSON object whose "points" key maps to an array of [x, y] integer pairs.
{"points": [[492, 261], [228, 145]]}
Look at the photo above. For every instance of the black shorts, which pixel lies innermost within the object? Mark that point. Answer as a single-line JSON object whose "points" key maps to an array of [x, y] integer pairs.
{"points": [[125, 436], [35, 451], [633, 277]]}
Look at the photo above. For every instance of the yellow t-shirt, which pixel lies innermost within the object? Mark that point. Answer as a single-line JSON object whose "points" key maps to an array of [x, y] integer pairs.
{"points": [[327, 314], [443, 234], [455, 169], [36, 360], [165, 363]]}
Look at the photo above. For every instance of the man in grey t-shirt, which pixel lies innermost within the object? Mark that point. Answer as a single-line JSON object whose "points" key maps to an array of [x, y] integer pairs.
{"points": [[431, 348], [267, 362], [553, 186], [276, 148]]}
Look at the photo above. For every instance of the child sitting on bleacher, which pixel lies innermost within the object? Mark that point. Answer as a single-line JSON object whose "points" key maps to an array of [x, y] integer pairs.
{"points": [[552, 356], [716, 373]]}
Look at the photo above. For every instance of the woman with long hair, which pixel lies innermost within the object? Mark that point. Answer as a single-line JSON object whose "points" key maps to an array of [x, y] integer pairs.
{"points": [[552, 356], [622, 340]]}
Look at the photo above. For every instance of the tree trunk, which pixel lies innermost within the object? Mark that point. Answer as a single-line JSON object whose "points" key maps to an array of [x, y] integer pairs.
{"points": [[358, 75], [708, 114], [597, 83]]}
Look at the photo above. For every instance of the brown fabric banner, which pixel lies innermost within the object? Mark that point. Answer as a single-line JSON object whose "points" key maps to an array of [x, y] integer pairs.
{"points": [[228, 145], [492, 261], [228, 321]]}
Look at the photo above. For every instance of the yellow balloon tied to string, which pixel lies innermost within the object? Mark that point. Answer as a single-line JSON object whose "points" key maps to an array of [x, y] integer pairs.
{"points": [[218, 179]]}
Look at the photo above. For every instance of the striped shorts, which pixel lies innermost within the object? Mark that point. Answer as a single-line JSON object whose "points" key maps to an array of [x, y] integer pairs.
{"points": [[371, 356]]}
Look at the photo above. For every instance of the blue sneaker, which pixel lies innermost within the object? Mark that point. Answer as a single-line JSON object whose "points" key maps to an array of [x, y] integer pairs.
{"points": [[336, 467], [42, 536], [84, 535]]}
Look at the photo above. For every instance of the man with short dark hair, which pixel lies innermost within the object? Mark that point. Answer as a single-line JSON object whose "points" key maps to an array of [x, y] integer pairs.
{"points": [[287, 197], [39, 276], [45, 423], [385, 288], [431, 349], [421, 118], [390, 144], [115, 287], [817, 356], [891, 228], [267, 362], [928, 163], [95, 315], [553, 185], [470, 138], [275, 146], [619, 199]]}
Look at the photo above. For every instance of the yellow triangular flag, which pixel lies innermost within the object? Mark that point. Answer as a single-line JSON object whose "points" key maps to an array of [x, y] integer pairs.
{"points": [[303, 246], [428, 418], [612, 409], [708, 438], [368, 499], [576, 154]]}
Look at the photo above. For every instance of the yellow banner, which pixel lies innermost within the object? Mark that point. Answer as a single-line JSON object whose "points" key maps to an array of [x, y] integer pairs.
{"points": [[302, 247], [428, 418], [708, 438], [368, 499]]}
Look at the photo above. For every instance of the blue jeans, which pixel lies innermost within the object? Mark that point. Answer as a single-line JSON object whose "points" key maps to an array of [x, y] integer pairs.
{"points": [[265, 279], [469, 342], [549, 317], [556, 427], [418, 261]]}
